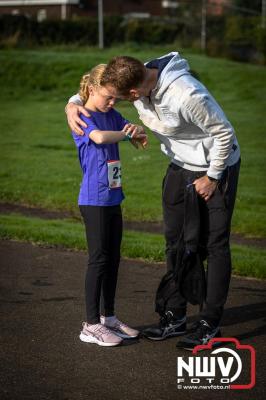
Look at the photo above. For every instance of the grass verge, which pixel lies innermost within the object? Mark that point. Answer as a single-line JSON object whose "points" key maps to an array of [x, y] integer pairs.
{"points": [[39, 165], [247, 261]]}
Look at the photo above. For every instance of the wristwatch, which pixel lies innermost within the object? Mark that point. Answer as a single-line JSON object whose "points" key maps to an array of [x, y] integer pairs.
{"points": [[127, 137]]}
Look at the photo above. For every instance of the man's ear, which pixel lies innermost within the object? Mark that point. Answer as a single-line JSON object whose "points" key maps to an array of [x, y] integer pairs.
{"points": [[134, 93]]}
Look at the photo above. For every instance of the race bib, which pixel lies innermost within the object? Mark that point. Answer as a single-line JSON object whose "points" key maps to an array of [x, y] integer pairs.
{"points": [[114, 174]]}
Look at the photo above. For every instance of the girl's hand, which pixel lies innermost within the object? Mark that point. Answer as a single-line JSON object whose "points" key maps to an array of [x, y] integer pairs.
{"points": [[138, 135], [72, 111]]}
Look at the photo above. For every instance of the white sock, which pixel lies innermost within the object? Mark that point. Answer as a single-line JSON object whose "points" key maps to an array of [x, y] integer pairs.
{"points": [[110, 320]]}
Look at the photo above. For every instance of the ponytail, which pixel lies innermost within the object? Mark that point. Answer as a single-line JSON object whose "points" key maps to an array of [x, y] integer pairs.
{"points": [[92, 78]]}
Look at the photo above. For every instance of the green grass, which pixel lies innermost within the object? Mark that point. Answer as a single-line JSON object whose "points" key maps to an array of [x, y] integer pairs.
{"points": [[39, 165], [149, 247]]}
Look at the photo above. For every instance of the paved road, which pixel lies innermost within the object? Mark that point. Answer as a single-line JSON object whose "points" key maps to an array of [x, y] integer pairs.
{"points": [[42, 306]]}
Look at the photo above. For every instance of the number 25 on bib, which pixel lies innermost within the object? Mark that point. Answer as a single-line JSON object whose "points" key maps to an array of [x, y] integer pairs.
{"points": [[114, 174]]}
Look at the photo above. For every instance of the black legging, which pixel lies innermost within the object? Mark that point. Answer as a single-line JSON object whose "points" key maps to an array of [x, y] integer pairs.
{"points": [[104, 235]]}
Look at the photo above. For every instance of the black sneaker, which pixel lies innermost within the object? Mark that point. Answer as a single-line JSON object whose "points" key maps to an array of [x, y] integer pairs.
{"points": [[202, 334], [168, 327]]}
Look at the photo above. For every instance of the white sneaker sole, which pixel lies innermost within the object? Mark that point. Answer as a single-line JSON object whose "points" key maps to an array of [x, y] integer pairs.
{"points": [[92, 339], [216, 344]]}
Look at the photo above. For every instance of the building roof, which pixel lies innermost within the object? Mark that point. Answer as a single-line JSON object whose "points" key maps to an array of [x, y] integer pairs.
{"points": [[36, 2]]}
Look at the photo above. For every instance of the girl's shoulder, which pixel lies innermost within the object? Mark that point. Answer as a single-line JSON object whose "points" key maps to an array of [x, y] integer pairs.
{"points": [[98, 115]]}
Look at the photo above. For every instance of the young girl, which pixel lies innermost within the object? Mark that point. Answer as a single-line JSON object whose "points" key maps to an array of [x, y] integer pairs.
{"points": [[99, 202]]}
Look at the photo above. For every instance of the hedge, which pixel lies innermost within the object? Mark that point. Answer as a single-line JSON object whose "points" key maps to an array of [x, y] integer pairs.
{"points": [[236, 37]]}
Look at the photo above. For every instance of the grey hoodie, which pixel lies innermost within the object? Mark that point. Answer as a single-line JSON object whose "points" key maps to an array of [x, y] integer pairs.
{"points": [[192, 128]]}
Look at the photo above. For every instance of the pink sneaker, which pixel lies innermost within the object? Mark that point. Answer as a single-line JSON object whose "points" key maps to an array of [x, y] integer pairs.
{"points": [[99, 334], [119, 328]]}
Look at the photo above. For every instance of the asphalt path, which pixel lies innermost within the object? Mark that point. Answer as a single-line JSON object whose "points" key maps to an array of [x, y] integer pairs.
{"points": [[42, 307]]}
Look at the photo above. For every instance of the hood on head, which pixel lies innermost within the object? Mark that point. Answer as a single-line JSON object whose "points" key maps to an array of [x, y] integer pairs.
{"points": [[175, 67]]}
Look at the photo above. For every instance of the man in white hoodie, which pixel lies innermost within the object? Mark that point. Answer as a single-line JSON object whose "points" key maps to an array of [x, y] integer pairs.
{"points": [[203, 150]]}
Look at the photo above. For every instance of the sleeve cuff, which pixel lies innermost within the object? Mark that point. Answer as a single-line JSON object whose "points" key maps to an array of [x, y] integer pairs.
{"points": [[75, 99], [213, 173]]}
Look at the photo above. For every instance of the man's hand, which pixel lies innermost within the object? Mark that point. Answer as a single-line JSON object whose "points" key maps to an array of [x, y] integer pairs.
{"points": [[72, 111], [205, 187]]}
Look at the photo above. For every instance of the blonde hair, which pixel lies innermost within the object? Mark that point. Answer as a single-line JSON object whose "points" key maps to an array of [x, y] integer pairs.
{"points": [[92, 78]]}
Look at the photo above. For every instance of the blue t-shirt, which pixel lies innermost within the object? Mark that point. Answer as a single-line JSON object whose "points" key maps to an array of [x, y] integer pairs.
{"points": [[100, 163]]}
